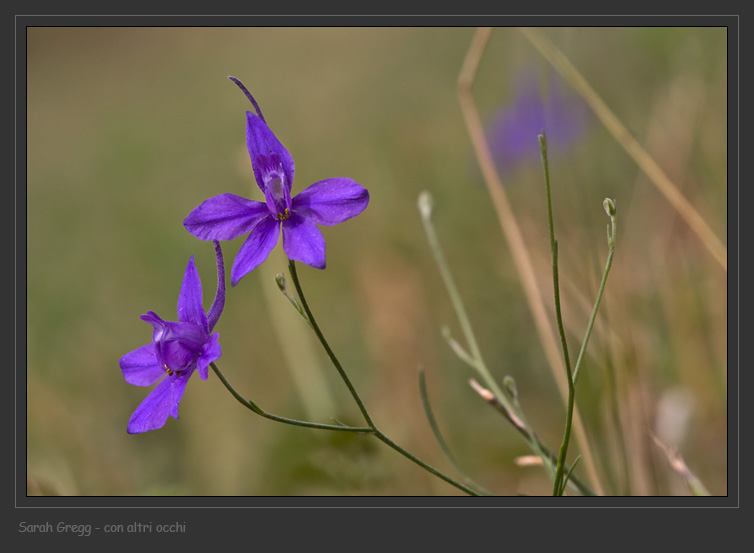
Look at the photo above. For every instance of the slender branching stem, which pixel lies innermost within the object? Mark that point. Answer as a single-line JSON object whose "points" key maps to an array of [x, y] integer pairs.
{"points": [[474, 357], [559, 484], [374, 430], [610, 208], [261, 412], [323, 341], [513, 235]]}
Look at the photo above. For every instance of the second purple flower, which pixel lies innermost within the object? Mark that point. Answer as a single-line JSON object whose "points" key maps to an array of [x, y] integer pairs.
{"points": [[228, 216]]}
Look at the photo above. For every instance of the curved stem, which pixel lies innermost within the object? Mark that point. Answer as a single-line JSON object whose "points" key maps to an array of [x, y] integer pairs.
{"points": [[261, 412], [559, 485], [321, 337], [382, 437], [377, 433], [594, 310]]}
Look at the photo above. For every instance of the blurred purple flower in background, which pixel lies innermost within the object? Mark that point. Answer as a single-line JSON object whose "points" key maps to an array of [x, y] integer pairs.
{"points": [[176, 350], [228, 216], [536, 106]]}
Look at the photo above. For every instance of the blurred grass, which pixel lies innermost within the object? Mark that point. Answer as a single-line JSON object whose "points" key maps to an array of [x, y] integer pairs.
{"points": [[130, 128]]}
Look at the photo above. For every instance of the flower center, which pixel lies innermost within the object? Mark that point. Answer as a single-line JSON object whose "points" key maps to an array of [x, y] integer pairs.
{"points": [[171, 372], [276, 189]]}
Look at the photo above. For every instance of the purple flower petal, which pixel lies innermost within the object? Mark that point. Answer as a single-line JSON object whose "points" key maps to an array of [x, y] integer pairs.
{"points": [[303, 241], [190, 309], [331, 201], [255, 250], [140, 367], [210, 353], [152, 413], [224, 217], [260, 140], [177, 388]]}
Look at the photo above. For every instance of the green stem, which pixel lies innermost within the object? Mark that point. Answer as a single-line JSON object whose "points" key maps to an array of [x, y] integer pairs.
{"points": [[374, 430], [321, 337], [474, 358], [382, 437], [558, 489], [608, 264], [475, 353], [557, 485], [261, 412], [572, 377]]}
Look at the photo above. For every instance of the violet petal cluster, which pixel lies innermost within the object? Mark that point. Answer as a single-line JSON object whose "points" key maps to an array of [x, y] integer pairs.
{"points": [[228, 216], [177, 350]]}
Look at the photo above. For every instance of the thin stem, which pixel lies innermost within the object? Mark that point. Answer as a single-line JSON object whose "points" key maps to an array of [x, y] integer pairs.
{"points": [[513, 235], [572, 378], [374, 430], [608, 264], [261, 412], [474, 358], [438, 435], [554, 248], [382, 437], [558, 483], [321, 337], [610, 209], [558, 486]]}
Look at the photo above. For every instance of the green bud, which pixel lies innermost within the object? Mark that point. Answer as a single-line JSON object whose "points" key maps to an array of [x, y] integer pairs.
{"points": [[542, 144], [510, 386], [280, 280]]}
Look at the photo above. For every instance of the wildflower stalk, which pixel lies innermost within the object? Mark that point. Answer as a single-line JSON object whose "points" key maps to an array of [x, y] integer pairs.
{"points": [[261, 412], [474, 357], [512, 232], [558, 485], [374, 430], [560, 479]]}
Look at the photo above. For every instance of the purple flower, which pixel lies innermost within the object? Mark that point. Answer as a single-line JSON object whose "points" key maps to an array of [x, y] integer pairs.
{"points": [[227, 216], [176, 350], [514, 129]]}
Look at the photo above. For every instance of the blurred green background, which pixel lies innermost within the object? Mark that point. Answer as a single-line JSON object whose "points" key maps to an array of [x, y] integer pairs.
{"points": [[131, 128]]}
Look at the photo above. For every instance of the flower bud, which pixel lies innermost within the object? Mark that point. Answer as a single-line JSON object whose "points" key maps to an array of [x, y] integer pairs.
{"points": [[281, 282], [510, 386]]}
